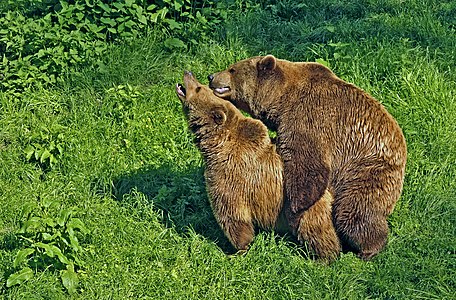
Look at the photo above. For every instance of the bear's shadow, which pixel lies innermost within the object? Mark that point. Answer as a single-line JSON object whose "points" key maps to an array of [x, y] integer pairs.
{"points": [[180, 195]]}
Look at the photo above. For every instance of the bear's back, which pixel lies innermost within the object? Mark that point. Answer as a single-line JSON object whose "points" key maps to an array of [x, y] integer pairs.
{"points": [[353, 122], [246, 174]]}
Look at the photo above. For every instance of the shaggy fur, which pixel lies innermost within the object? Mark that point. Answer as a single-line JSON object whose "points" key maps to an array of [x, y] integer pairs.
{"points": [[331, 136], [244, 172]]}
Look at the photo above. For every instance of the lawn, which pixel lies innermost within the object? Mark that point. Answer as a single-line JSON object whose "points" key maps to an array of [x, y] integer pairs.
{"points": [[124, 163]]}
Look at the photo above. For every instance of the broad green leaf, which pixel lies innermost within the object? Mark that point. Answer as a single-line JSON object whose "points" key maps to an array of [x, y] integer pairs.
{"points": [[77, 223], [142, 19], [19, 277], [45, 155], [47, 236], [105, 7], [139, 11], [154, 17], [130, 24], [64, 240], [48, 221], [60, 148], [69, 279], [94, 28], [63, 259], [29, 151], [173, 24], [330, 28], [177, 5], [163, 12], [174, 43], [108, 21], [48, 250], [63, 216], [49, 202], [118, 5], [27, 209], [41, 53], [21, 256], [32, 223], [52, 159], [75, 243], [38, 153], [323, 62], [79, 16]]}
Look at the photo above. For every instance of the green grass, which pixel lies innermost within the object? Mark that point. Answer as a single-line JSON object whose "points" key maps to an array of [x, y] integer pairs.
{"points": [[130, 167]]}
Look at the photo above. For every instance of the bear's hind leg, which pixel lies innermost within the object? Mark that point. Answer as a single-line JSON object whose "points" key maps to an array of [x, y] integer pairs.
{"points": [[363, 199], [239, 232], [360, 210], [366, 237], [317, 229]]}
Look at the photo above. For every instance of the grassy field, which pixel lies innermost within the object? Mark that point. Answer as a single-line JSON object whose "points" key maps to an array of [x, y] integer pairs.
{"points": [[129, 169]]}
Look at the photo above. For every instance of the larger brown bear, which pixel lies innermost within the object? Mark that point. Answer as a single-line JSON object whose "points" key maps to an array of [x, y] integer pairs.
{"points": [[331, 135], [244, 173]]}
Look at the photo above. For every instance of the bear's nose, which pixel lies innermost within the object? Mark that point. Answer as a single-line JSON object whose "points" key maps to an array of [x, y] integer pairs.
{"points": [[210, 77], [188, 73]]}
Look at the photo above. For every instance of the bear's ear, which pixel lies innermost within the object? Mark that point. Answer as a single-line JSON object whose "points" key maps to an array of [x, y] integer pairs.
{"points": [[267, 63], [219, 116], [252, 130]]}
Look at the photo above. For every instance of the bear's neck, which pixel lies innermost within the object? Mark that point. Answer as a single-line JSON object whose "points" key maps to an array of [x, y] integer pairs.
{"points": [[268, 112], [210, 140]]}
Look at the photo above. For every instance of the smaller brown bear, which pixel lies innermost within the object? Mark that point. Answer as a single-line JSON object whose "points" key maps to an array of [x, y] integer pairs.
{"points": [[244, 173]]}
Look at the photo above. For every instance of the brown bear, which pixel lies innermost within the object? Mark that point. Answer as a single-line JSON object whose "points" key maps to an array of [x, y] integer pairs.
{"points": [[244, 173], [331, 136]]}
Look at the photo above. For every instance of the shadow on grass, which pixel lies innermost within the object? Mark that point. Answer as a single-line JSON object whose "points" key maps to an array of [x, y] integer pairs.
{"points": [[180, 195]]}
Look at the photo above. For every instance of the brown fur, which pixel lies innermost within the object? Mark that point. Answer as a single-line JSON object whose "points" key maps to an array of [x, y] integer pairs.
{"points": [[331, 136], [316, 228], [243, 170]]}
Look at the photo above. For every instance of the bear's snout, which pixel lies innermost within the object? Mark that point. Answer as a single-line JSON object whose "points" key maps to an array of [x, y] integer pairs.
{"points": [[210, 77]]}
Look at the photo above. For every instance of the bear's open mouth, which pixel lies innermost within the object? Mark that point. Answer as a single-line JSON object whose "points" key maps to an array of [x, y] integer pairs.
{"points": [[222, 90], [180, 90]]}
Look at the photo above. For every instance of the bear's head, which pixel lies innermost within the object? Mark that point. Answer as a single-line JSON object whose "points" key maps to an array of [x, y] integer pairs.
{"points": [[242, 81], [213, 119], [204, 111]]}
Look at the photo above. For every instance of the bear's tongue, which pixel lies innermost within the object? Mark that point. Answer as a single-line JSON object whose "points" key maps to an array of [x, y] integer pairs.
{"points": [[222, 90], [180, 90]]}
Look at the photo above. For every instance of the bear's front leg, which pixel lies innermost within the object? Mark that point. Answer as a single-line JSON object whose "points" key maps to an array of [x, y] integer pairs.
{"points": [[239, 232], [306, 178]]}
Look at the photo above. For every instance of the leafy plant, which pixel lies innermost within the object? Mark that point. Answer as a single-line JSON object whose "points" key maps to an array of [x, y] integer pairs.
{"points": [[46, 146], [125, 97], [51, 240], [332, 53], [40, 40]]}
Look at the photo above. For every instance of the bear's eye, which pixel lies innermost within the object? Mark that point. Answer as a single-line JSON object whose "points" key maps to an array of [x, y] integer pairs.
{"points": [[198, 89], [231, 70]]}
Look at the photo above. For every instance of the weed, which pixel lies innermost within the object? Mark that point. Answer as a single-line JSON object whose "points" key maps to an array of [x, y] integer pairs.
{"points": [[46, 146], [41, 40], [51, 241]]}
